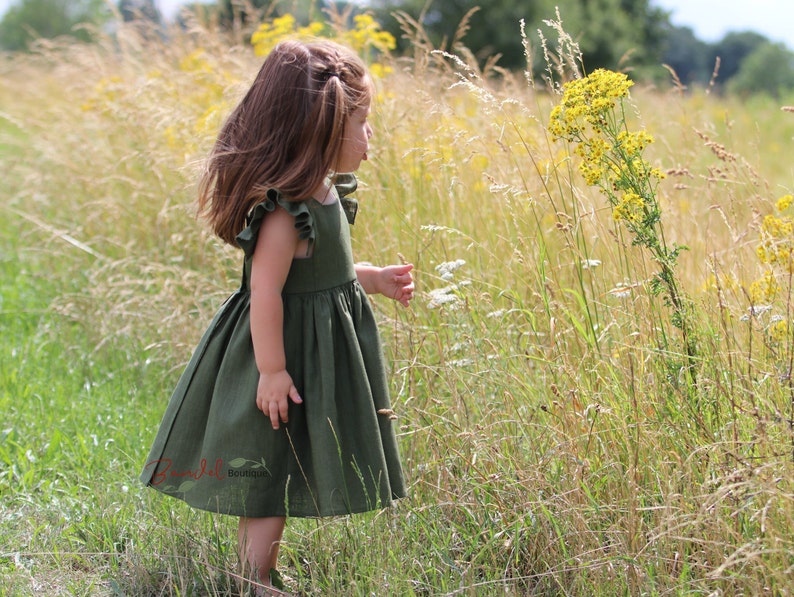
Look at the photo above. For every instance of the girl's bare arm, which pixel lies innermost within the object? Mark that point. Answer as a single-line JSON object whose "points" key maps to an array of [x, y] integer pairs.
{"points": [[275, 249], [393, 281]]}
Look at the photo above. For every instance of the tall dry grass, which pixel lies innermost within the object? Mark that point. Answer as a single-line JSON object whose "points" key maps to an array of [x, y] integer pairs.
{"points": [[552, 441]]}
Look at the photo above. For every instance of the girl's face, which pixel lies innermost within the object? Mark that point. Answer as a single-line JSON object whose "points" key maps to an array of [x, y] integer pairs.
{"points": [[355, 142]]}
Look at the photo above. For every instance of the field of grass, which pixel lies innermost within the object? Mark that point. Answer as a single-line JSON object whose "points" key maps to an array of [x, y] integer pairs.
{"points": [[560, 434]]}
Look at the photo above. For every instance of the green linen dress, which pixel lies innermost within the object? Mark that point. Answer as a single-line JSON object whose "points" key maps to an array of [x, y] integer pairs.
{"points": [[338, 454]]}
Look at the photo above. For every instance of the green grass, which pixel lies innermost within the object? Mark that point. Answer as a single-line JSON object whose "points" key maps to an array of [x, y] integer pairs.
{"points": [[551, 443]]}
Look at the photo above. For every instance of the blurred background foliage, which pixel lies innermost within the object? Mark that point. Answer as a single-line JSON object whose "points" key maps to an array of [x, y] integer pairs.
{"points": [[628, 35]]}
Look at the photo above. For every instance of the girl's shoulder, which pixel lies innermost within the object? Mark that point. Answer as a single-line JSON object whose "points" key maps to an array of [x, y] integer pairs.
{"points": [[299, 210], [345, 185]]}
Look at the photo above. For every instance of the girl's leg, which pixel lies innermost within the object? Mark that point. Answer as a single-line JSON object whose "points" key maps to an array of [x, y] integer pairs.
{"points": [[258, 541]]}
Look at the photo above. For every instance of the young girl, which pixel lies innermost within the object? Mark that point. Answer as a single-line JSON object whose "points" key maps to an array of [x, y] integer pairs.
{"points": [[283, 409]]}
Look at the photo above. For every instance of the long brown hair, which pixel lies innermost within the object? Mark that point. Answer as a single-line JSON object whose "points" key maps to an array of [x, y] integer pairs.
{"points": [[285, 134]]}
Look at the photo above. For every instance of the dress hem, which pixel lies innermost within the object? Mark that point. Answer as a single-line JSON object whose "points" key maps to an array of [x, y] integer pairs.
{"points": [[290, 513]]}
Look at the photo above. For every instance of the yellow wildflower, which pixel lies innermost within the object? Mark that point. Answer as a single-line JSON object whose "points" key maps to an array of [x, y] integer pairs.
{"points": [[784, 202], [587, 100], [764, 290], [630, 208], [271, 33], [379, 71], [778, 330], [365, 35], [722, 281], [777, 239], [633, 143]]}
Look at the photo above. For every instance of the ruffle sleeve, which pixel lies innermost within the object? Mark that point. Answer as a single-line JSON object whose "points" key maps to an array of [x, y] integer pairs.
{"points": [[304, 222]]}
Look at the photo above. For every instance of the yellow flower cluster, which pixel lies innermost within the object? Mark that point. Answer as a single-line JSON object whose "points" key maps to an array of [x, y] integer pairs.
{"points": [[106, 92], [365, 36], [765, 290], [269, 34], [779, 331], [587, 100], [366, 33], [207, 99], [776, 250], [720, 282], [195, 95], [633, 143], [784, 203], [777, 237], [630, 208], [611, 155], [594, 165]]}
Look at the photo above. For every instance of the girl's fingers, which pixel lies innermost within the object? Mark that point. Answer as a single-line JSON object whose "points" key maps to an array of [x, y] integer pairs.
{"points": [[294, 396], [278, 410], [273, 412], [283, 409]]}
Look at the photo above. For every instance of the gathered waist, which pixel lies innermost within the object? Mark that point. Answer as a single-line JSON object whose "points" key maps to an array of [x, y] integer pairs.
{"points": [[300, 289], [312, 274]]}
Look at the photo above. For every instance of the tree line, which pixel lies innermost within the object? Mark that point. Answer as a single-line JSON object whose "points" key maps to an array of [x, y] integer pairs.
{"points": [[630, 35]]}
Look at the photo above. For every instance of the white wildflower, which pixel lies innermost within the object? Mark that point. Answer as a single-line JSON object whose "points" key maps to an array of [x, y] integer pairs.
{"points": [[461, 362], [447, 268], [755, 311], [443, 296]]}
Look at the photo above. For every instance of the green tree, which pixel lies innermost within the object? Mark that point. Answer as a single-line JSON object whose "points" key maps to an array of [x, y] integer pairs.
{"points": [[768, 69], [687, 56], [733, 49], [31, 19], [230, 11], [246, 12], [616, 34], [134, 10], [607, 30], [493, 29]]}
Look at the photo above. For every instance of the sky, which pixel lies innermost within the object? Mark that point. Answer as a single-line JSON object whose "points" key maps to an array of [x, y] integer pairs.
{"points": [[712, 19], [709, 19]]}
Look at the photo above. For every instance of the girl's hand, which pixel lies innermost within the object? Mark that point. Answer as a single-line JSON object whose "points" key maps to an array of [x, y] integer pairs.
{"points": [[396, 281], [272, 393]]}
